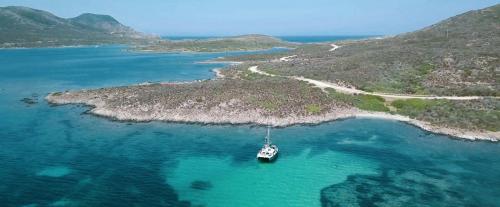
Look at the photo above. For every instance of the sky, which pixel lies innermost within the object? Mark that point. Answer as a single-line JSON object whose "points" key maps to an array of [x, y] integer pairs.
{"points": [[271, 17]]}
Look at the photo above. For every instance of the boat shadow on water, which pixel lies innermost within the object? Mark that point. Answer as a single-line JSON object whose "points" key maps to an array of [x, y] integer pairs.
{"points": [[268, 161]]}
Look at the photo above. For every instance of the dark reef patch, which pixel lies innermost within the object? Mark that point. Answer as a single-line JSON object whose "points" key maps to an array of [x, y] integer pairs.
{"points": [[400, 188], [32, 100], [201, 185]]}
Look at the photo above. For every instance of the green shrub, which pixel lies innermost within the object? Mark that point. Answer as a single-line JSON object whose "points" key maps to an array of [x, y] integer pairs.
{"points": [[313, 108], [371, 103], [365, 102], [269, 105], [425, 69], [341, 97], [248, 75], [416, 104]]}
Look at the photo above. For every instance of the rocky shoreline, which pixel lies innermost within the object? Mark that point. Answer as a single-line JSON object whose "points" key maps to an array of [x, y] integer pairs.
{"points": [[230, 115], [218, 73]]}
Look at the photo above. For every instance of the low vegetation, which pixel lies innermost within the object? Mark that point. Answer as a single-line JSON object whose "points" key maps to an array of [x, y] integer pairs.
{"points": [[26, 27], [239, 43], [459, 56], [277, 97], [476, 114], [473, 114], [365, 102], [313, 108]]}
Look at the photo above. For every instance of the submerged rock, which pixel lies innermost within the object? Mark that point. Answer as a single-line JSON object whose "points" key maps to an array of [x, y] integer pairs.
{"points": [[29, 101], [201, 185], [395, 188], [59, 171], [33, 99]]}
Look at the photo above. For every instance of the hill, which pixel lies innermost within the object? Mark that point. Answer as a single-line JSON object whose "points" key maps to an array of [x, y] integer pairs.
{"points": [[458, 56], [27, 27]]}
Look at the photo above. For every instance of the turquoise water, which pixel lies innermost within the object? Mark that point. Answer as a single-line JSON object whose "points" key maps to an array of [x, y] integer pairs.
{"points": [[61, 156]]}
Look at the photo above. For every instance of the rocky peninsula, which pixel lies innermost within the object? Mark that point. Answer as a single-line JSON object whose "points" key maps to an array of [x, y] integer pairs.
{"points": [[443, 84], [237, 102]]}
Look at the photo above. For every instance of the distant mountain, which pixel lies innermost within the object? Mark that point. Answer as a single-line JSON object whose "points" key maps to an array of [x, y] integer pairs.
{"points": [[27, 27]]}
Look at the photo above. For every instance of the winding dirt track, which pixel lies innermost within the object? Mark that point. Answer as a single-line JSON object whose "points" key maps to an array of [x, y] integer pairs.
{"points": [[343, 89]]}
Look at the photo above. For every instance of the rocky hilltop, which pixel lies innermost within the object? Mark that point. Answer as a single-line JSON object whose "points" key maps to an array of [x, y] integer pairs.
{"points": [[458, 56], [27, 27]]}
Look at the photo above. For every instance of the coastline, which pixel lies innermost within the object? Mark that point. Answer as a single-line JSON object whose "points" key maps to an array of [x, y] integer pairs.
{"points": [[218, 73], [218, 115], [215, 61], [222, 115], [58, 47], [426, 126], [181, 51]]}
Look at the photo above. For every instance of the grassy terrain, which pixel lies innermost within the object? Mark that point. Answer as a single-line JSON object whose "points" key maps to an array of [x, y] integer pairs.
{"points": [[298, 49], [313, 108], [458, 56], [365, 102], [238, 43], [477, 114], [473, 114], [282, 97], [278, 97]]}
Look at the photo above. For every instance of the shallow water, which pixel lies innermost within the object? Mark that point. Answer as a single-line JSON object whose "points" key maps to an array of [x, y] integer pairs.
{"points": [[60, 156]]}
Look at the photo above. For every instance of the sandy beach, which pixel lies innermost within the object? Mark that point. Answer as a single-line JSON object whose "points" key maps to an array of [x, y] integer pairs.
{"points": [[218, 73]]}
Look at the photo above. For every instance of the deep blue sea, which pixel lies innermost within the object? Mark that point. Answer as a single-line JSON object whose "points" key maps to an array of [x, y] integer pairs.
{"points": [[62, 156], [299, 39]]}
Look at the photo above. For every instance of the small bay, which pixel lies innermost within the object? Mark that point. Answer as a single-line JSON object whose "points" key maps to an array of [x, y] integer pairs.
{"points": [[61, 156]]}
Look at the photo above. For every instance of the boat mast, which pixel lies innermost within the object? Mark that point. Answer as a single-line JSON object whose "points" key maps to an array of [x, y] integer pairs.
{"points": [[268, 137]]}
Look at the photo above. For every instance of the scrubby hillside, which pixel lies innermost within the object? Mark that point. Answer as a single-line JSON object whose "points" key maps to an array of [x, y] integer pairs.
{"points": [[458, 56], [26, 27], [237, 43]]}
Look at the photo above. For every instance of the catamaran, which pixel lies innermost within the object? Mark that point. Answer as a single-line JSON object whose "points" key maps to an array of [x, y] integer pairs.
{"points": [[269, 151]]}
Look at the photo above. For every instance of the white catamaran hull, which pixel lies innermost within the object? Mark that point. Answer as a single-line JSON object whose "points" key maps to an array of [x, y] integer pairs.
{"points": [[268, 153]]}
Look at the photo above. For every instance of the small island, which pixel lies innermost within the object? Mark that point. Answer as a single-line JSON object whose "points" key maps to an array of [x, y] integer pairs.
{"points": [[226, 44], [440, 78]]}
